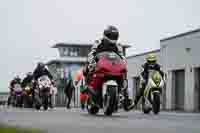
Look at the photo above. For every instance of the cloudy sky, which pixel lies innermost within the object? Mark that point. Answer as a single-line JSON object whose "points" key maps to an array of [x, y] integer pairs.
{"points": [[29, 27]]}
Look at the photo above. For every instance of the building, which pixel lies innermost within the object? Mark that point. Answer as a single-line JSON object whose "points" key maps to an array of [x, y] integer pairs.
{"points": [[3, 97], [180, 60], [72, 57], [179, 57]]}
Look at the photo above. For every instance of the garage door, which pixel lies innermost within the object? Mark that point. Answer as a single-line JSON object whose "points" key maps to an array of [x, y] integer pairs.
{"points": [[179, 89], [197, 89]]}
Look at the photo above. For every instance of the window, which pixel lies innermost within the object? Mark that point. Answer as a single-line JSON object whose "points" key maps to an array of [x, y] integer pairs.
{"points": [[74, 52], [71, 51], [65, 51]]}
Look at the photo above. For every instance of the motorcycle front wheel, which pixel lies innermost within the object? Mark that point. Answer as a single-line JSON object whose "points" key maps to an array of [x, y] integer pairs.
{"points": [[37, 102], [109, 101], [45, 102], [92, 109], [156, 103], [19, 102]]}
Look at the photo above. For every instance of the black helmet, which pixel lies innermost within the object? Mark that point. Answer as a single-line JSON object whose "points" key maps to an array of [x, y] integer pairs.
{"points": [[111, 34], [17, 77], [41, 65], [29, 74]]}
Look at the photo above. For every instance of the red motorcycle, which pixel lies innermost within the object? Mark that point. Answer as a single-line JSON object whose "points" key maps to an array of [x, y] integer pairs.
{"points": [[108, 84]]}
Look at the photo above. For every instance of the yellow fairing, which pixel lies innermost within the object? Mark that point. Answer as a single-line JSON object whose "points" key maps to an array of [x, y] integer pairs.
{"points": [[153, 82], [156, 77], [28, 91]]}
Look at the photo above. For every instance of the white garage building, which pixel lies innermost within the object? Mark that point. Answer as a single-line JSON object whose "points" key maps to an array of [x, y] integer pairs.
{"points": [[179, 57]]}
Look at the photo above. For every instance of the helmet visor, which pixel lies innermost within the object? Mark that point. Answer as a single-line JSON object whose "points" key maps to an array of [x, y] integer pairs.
{"points": [[112, 35], [151, 62]]}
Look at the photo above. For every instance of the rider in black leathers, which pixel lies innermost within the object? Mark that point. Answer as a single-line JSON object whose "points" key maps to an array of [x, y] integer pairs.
{"points": [[151, 64], [39, 71], [107, 43]]}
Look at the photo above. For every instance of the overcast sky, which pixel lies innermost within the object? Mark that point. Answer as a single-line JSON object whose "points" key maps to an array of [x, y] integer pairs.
{"points": [[29, 27]]}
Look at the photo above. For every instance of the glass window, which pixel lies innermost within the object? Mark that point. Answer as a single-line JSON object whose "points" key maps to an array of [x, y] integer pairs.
{"points": [[73, 52], [65, 51]]}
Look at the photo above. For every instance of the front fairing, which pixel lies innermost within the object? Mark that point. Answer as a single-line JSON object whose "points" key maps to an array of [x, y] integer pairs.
{"points": [[45, 85], [108, 68], [18, 90], [44, 82], [152, 85], [111, 64]]}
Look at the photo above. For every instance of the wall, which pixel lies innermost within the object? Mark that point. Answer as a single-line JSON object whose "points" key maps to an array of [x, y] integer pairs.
{"points": [[181, 53]]}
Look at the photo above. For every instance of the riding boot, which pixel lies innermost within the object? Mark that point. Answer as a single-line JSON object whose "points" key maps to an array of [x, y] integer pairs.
{"points": [[138, 96]]}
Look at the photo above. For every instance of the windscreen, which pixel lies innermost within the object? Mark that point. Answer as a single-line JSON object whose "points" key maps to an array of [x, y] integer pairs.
{"points": [[109, 56]]}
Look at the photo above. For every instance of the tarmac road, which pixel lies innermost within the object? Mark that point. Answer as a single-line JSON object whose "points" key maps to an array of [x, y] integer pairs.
{"points": [[61, 120]]}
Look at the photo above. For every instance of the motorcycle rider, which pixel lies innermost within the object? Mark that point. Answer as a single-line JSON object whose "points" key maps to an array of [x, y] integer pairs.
{"points": [[27, 80], [151, 64], [41, 70], [16, 80], [107, 43]]}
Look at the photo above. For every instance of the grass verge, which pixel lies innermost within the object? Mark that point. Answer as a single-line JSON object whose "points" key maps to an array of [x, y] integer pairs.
{"points": [[10, 129]]}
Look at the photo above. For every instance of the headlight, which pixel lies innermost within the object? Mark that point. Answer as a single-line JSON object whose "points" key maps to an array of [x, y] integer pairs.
{"points": [[40, 86], [156, 78], [27, 88], [157, 82]]}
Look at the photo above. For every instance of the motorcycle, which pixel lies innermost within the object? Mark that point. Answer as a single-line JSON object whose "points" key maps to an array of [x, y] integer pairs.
{"points": [[108, 85], [18, 96], [43, 93], [152, 93], [28, 96]]}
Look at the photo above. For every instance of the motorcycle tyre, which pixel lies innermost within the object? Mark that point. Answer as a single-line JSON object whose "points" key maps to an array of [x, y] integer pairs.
{"points": [[45, 102], [112, 102], [156, 103], [37, 102], [93, 110]]}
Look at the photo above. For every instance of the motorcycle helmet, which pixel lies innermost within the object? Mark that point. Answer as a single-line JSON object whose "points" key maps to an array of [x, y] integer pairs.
{"points": [[17, 77], [151, 58], [41, 65], [111, 34], [29, 74]]}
